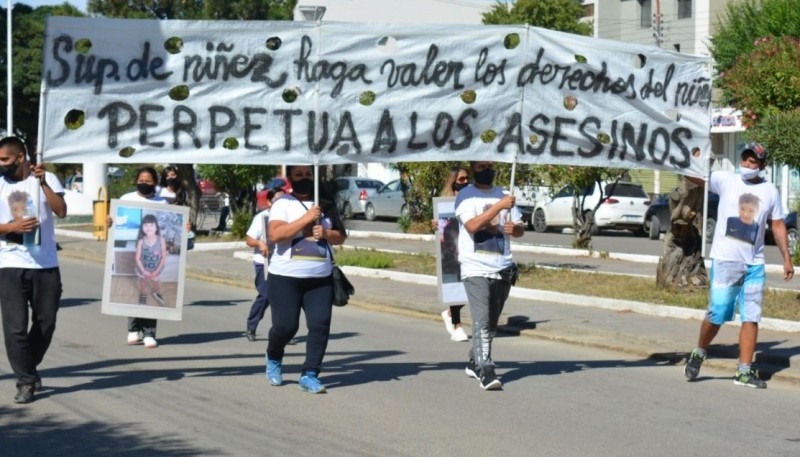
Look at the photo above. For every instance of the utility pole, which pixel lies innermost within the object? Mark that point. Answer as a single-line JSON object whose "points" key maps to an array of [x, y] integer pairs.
{"points": [[9, 79], [657, 34]]}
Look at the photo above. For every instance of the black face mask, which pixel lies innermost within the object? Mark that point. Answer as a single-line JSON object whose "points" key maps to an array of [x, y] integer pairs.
{"points": [[145, 189], [9, 170], [484, 177], [173, 182], [303, 186], [457, 186]]}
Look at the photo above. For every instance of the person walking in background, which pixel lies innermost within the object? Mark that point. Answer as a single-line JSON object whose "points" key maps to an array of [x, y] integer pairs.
{"points": [[30, 279], [488, 218], [300, 275], [151, 256], [456, 180], [142, 330], [261, 250], [171, 189], [746, 203]]}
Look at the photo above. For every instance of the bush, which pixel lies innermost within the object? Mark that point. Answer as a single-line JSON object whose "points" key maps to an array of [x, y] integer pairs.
{"points": [[240, 223], [765, 81]]}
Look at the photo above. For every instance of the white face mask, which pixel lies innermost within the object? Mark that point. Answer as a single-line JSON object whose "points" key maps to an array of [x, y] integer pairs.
{"points": [[748, 173]]}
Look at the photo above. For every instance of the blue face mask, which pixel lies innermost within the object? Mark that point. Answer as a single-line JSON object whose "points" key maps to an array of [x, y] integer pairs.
{"points": [[748, 173]]}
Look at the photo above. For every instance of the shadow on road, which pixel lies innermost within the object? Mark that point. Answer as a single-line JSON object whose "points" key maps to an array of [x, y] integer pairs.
{"points": [[24, 433]]}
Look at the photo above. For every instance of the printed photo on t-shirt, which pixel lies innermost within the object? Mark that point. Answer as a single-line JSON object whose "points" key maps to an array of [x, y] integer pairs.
{"points": [[744, 227], [21, 206], [490, 240]]}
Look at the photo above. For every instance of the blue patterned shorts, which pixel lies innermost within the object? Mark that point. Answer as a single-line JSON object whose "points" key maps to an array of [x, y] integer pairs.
{"points": [[735, 283]]}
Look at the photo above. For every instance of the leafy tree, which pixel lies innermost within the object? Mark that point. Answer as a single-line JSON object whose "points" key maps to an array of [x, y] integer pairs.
{"points": [[744, 22], [195, 9], [766, 80], [779, 133], [561, 15], [237, 180], [765, 84]]}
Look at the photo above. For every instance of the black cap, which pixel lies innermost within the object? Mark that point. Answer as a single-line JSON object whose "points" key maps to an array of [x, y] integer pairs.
{"points": [[757, 149]]}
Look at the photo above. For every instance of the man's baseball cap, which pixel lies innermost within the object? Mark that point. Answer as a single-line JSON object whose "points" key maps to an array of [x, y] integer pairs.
{"points": [[757, 149]]}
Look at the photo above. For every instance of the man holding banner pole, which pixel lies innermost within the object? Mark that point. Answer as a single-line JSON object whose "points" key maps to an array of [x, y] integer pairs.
{"points": [[487, 219], [29, 273]]}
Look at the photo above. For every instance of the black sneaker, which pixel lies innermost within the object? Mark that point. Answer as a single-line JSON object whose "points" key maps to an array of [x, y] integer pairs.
{"points": [[24, 393], [489, 380], [692, 368], [250, 334], [749, 379], [472, 370]]}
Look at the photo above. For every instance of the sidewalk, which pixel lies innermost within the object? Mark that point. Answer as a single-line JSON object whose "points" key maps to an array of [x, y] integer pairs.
{"points": [[651, 331]]}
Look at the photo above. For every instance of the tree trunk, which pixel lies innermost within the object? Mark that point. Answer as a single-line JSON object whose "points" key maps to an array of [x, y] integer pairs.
{"points": [[681, 266]]}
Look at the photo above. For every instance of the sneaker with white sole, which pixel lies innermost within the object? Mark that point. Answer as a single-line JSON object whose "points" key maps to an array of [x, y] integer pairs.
{"points": [[158, 298], [309, 382], [692, 368], [749, 379], [459, 335], [472, 370], [134, 338], [274, 371], [448, 321], [150, 342], [489, 380]]}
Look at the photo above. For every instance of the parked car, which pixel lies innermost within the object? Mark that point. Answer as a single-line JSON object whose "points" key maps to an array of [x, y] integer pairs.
{"points": [[622, 209], [262, 202], [527, 199], [352, 194], [207, 187], [790, 219], [657, 220], [388, 201]]}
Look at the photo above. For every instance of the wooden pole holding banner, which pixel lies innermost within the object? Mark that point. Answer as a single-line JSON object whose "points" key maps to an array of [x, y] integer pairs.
{"points": [[40, 156], [316, 183]]}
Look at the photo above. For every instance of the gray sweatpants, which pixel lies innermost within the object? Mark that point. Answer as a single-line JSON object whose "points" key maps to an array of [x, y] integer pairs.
{"points": [[486, 300]]}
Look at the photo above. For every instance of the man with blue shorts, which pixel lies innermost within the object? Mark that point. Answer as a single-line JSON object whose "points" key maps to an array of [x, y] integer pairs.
{"points": [[746, 203]]}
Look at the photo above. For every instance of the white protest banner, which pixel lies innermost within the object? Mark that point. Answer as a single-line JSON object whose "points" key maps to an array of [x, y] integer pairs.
{"points": [[247, 92]]}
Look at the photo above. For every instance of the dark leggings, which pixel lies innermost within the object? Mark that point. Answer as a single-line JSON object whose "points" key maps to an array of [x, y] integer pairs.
{"points": [[287, 295], [455, 314]]}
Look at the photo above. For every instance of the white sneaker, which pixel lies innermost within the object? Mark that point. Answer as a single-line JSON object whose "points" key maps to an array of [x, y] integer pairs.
{"points": [[150, 342], [459, 335], [134, 338], [448, 321]]}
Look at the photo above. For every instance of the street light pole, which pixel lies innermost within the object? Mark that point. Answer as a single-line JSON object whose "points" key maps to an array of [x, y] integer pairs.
{"points": [[9, 80]]}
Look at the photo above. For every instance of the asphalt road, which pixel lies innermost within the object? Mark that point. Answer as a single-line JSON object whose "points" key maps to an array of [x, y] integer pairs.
{"points": [[396, 388]]}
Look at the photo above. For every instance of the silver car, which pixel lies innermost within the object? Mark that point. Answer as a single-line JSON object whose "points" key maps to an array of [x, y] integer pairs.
{"points": [[352, 194], [388, 201]]}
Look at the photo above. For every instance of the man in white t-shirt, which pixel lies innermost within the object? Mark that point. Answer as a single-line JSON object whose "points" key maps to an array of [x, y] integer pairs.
{"points": [[29, 274], [488, 218], [747, 203]]}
